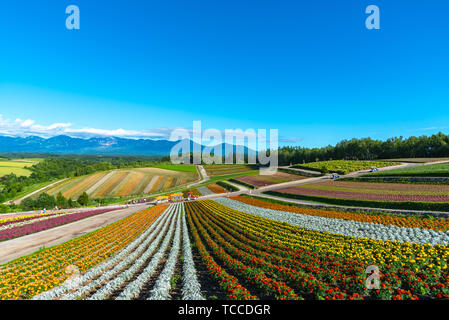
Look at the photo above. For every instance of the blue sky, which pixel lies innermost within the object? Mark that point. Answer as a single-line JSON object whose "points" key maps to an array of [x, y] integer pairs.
{"points": [[308, 68]]}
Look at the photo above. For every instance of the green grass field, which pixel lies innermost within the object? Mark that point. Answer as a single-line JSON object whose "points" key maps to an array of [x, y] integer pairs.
{"points": [[432, 170], [417, 160], [18, 167]]}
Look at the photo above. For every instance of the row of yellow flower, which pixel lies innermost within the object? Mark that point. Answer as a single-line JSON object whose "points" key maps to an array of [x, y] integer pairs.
{"points": [[369, 251], [31, 275], [19, 218]]}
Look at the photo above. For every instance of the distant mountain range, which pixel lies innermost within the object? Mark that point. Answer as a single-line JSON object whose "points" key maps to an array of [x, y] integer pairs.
{"points": [[94, 146]]}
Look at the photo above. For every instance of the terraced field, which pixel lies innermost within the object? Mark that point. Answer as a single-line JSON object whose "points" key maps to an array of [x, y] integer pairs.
{"points": [[226, 169], [119, 183], [376, 191], [373, 194]]}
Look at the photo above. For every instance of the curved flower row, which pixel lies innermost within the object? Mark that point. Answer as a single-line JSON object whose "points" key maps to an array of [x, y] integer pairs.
{"points": [[344, 227], [31, 275], [41, 225], [13, 220], [308, 191], [105, 271], [399, 221], [132, 290], [406, 269], [191, 288], [22, 222], [307, 268], [233, 289], [162, 286], [305, 284], [265, 284]]}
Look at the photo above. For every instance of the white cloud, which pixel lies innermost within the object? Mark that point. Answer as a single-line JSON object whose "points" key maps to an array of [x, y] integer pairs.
{"points": [[24, 128]]}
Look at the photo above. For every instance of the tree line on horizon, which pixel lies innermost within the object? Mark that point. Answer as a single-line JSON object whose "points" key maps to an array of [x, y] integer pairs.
{"points": [[434, 146]]}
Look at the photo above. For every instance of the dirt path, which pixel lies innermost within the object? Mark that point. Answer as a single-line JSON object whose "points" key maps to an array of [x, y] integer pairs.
{"points": [[16, 248], [204, 176]]}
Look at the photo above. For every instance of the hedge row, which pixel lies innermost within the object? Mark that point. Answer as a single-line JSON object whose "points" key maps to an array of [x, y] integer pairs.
{"points": [[401, 205], [412, 180], [227, 186], [300, 173], [242, 183]]}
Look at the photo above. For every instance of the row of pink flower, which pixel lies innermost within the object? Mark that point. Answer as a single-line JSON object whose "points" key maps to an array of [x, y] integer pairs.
{"points": [[365, 196], [12, 233], [6, 223]]}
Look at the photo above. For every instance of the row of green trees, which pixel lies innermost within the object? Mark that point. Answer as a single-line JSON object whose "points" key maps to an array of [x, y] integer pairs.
{"points": [[433, 146], [47, 201]]}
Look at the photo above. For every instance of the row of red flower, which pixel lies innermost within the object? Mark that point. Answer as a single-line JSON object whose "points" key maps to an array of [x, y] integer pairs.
{"points": [[334, 271], [265, 285]]}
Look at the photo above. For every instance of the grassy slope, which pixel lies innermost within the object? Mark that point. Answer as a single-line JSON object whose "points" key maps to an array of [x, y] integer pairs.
{"points": [[435, 170]]}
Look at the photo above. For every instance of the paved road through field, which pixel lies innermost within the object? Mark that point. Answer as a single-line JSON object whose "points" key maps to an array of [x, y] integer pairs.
{"points": [[16, 248]]}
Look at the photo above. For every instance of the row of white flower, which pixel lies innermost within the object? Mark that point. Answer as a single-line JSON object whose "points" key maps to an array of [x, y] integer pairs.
{"points": [[205, 191], [161, 288], [124, 264], [191, 288], [131, 289], [86, 279], [344, 227]]}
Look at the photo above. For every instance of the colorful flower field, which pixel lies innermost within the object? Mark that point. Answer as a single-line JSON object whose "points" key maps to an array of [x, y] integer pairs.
{"points": [[216, 188], [240, 248], [343, 166], [31, 275], [375, 191], [294, 262]]}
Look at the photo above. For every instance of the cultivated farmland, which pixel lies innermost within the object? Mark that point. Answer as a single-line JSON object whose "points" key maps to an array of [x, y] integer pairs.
{"points": [[371, 194], [17, 167], [260, 180], [227, 169], [121, 183]]}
